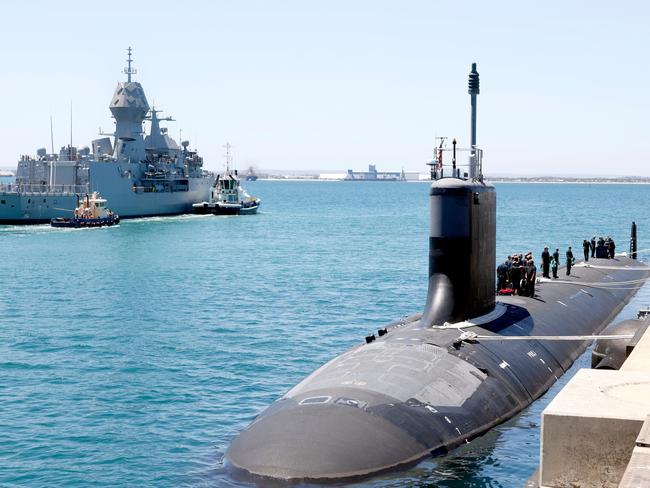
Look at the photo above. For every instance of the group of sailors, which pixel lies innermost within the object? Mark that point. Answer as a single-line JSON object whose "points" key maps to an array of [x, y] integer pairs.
{"points": [[603, 248], [517, 274]]}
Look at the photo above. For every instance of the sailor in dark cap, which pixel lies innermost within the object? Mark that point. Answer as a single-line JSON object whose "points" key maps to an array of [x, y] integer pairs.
{"points": [[546, 262], [531, 277], [555, 263], [593, 246], [585, 247], [569, 261]]}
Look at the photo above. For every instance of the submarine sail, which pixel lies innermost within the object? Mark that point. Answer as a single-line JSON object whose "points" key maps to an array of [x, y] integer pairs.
{"points": [[417, 388]]}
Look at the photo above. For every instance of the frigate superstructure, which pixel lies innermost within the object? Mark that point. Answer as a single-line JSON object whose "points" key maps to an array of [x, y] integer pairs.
{"points": [[141, 175]]}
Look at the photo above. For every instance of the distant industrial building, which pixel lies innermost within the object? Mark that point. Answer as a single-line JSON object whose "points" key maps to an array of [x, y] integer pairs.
{"points": [[373, 175]]}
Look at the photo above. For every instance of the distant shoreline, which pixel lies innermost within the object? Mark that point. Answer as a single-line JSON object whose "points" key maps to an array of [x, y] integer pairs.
{"points": [[510, 181], [572, 182], [624, 180]]}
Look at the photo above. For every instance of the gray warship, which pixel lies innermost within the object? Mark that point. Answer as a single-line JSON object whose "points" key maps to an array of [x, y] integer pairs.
{"points": [[139, 175]]}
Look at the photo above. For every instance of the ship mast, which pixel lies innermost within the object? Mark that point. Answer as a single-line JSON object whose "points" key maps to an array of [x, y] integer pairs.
{"points": [[227, 146], [129, 70], [52, 162]]}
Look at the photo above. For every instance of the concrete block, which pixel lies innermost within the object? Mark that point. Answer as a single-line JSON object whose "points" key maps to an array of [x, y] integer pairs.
{"points": [[637, 473], [533, 481], [639, 359], [643, 328], [643, 439], [590, 428]]}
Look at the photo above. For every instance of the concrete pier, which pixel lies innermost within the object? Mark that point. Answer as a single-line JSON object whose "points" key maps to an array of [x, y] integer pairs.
{"points": [[596, 432]]}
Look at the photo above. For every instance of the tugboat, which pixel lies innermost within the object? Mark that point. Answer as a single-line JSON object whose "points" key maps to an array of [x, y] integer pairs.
{"points": [[92, 212], [227, 197]]}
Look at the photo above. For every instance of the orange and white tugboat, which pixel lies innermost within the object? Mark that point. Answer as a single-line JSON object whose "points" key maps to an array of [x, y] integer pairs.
{"points": [[91, 212]]}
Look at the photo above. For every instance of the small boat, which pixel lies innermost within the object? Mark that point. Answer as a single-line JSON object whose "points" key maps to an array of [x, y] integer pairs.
{"points": [[251, 176], [227, 197], [91, 212]]}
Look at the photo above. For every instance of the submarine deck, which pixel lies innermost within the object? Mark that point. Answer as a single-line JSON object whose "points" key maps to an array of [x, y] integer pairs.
{"points": [[416, 391]]}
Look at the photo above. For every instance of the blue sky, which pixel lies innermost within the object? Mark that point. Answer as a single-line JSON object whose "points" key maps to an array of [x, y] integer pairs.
{"points": [[338, 84]]}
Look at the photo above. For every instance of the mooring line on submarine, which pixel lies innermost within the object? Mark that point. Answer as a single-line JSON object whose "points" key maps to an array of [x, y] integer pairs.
{"points": [[498, 311], [471, 336], [642, 251], [622, 268], [612, 285]]}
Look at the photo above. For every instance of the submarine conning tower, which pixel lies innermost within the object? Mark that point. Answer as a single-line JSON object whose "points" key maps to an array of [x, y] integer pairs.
{"points": [[462, 233]]}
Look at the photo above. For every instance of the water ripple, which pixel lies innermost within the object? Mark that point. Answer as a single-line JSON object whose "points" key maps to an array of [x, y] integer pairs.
{"points": [[132, 356]]}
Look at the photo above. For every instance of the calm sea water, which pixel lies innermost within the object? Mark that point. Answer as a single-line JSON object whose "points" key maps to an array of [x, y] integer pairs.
{"points": [[131, 356]]}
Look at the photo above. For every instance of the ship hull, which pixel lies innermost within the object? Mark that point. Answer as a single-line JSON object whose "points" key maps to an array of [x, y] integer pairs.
{"points": [[123, 195], [216, 209], [75, 223]]}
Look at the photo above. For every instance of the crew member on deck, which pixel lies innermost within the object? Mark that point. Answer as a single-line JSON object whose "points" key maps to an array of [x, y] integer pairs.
{"points": [[546, 261], [569, 261], [555, 263], [601, 252], [502, 276], [531, 277], [509, 264], [515, 275], [585, 247], [593, 246]]}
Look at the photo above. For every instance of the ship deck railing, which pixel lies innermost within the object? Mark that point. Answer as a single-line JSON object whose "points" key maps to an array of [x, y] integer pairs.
{"points": [[30, 189], [443, 164]]}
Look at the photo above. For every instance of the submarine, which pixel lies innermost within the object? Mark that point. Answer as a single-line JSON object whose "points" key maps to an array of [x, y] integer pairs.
{"points": [[434, 380]]}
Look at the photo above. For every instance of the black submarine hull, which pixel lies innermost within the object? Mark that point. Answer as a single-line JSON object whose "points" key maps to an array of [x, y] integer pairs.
{"points": [[418, 390], [414, 391]]}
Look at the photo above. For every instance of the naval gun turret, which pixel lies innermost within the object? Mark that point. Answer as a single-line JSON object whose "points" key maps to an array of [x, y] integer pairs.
{"points": [[432, 381]]}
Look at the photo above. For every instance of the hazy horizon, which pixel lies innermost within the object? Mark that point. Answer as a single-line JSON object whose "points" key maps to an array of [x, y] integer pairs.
{"points": [[303, 86]]}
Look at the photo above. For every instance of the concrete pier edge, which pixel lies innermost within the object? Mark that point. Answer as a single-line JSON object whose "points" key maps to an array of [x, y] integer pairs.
{"points": [[596, 431]]}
